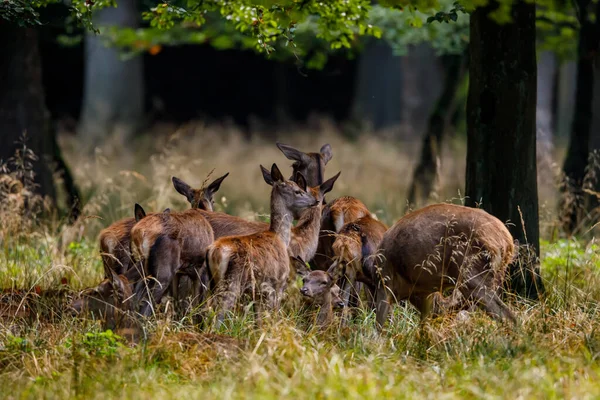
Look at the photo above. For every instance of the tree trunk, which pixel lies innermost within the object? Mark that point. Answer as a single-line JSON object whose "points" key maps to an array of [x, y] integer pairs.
{"points": [[501, 137], [113, 101], [576, 161], [565, 98], [22, 107], [378, 93], [426, 173], [421, 82], [23, 110]]}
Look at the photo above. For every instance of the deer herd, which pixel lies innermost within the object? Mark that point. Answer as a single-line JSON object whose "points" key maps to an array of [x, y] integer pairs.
{"points": [[440, 258]]}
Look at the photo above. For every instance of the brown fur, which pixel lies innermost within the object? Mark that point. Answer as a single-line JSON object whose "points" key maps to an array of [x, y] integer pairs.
{"points": [[168, 245], [257, 265], [320, 290], [354, 250], [110, 300], [115, 240], [445, 246]]}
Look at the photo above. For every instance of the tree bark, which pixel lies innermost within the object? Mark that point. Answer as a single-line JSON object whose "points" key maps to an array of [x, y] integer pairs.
{"points": [[23, 110], [501, 137], [113, 101], [426, 173], [576, 161], [22, 107]]}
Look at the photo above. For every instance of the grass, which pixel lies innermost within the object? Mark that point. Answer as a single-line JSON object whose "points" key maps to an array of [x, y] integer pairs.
{"points": [[46, 353]]}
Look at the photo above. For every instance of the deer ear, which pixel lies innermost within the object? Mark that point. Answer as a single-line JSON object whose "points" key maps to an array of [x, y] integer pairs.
{"points": [[301, 181], [116, 282], [183, 188], [276, 174], [214, 186], [335, 272], [167, 210], [326, 153], [300, 266], [326, 186], [138, 212], [266, 175], [291, 153]]}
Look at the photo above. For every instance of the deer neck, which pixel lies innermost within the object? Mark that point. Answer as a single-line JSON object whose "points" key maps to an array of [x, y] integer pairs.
{"points": [[281, 219], [325, 314], [307, 230]]}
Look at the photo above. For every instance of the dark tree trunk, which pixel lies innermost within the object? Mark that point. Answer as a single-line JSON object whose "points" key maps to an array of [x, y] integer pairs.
{"points": [[113, 102], [501, 137], [572, 204], [426, 173], [23, 110]]}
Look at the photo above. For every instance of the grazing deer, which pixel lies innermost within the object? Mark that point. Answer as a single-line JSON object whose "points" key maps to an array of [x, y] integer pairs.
{"points": [[168, 246], [445, 246], [115, 240], [305, 235], [354, 250], [335, 214], [258, 265], [321, 289]]}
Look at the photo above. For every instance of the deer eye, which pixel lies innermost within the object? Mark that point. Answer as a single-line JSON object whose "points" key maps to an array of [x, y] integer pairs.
{"points": [[323, 283], [298, 192]]}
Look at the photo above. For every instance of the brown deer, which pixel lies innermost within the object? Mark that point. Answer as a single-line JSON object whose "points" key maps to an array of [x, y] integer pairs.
{"points": [[115, 240], [335, 214], [169, 245], [258, 265], [110, 300], [354, 250], [321, 290], [445, 246], [305, 235]]}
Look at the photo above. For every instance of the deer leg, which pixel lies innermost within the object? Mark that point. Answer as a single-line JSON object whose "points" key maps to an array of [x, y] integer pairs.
{"points": [[227, 299], [162, 264], [478, 289]]}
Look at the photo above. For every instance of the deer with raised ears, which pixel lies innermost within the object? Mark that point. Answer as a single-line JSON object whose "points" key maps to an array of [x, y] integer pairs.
{"points": [[305, 235], [320, 289], [115, 243], [335, 214], [257, 265], [115, 240], [445, 246], [169, 245], [355, 249]]}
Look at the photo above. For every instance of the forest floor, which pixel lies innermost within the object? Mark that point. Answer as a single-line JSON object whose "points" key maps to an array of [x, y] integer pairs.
{"points": [[47, 353]]}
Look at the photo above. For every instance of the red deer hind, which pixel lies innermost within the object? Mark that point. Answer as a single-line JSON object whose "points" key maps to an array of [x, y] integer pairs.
{"points": [[257, 265], [115, 240], [445, 246]]}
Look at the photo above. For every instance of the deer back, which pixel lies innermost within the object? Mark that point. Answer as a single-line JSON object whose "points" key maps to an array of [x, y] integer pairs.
{"points": [[427, 248]]}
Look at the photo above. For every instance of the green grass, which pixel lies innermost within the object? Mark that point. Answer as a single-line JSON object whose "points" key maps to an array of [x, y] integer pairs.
{"points": [[46, 353]]}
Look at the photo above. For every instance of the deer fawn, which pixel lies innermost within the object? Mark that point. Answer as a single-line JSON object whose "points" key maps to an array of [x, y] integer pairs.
{"points": [[445, 246], [258, 265], [115, 240], [169, 245], [321, 289], [110, 300], [335, 214], [354, 250]]}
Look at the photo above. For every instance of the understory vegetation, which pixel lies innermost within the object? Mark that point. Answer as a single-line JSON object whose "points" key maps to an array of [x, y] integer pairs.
{"points": [[47, 353]]}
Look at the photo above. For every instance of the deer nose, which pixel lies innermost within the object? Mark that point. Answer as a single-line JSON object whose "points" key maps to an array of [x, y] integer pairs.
{"points": [[340, 304], [304, 291]]}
